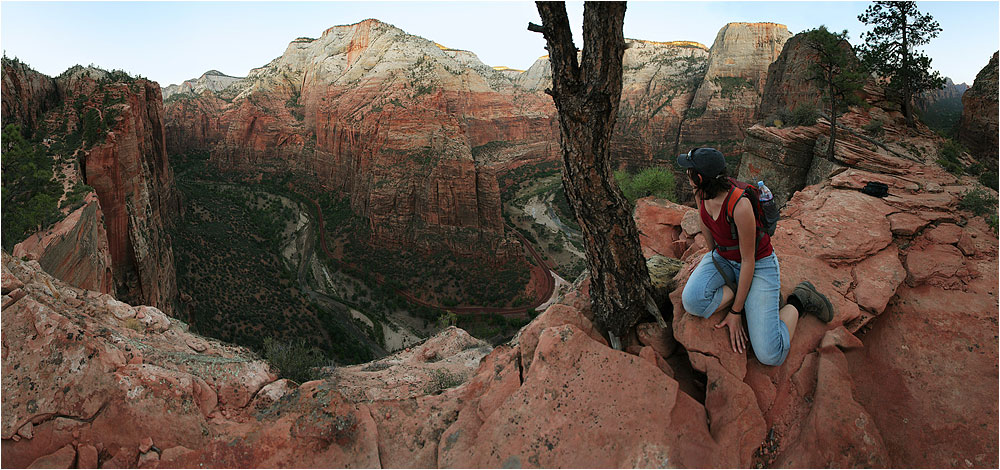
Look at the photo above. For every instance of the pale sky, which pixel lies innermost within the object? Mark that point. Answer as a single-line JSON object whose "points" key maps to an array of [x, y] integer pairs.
{"points": [[174, 41]]}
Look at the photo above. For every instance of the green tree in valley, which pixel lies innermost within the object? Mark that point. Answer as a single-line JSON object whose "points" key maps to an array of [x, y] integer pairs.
{"points": [[653, 181], [29, 193], [838, 72], [890, 50]]}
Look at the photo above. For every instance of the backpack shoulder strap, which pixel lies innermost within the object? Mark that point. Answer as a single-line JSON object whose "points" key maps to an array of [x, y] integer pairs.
{"points": [[734, 196]]}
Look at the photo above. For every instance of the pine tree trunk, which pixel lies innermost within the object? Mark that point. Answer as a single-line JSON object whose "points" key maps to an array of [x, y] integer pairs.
{"points": [[906, 75], [833, 123], [586, 96]]}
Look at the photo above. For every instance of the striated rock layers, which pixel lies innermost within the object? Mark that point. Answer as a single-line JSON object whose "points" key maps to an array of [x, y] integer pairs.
{"points": [[413, 132], [789, 158], [905, 375], [978, 128], [726, 100], [109, 127]]}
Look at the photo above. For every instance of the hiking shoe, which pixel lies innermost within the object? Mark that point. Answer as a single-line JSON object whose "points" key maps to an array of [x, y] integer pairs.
{"points": [[813, 301]]}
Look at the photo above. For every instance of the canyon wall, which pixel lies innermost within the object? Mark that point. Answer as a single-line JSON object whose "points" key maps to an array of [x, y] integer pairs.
{"points": [[75, 249], [26, 95], [978, 128], [411, 131], [727, 99], [415, 132], [213, 80], [106, 132]]}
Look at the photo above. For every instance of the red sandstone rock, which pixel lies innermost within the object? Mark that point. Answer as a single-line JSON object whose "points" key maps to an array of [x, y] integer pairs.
{"points": [[838, 431], [877, 278], [119, 245], [946, 234], [660, 339], [145, 444], [75, 249], [829, 229], [657, 221], [418, 156], [581, 378], [978, 127], [27, 95], [935, 264], [86, 456], [905, 223], [556, 315], [62, 458], [927, 376], [649, 354]]}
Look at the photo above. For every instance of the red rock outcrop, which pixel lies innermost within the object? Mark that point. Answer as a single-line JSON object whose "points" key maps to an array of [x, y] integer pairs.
{"points": [[75, 249], [26, 95], [129, 169], [830, 403], [109, 126], [978, 129], [726, 100]]}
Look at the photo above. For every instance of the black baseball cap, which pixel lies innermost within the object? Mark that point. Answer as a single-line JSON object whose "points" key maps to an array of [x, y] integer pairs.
{"points": [[707, 161]]}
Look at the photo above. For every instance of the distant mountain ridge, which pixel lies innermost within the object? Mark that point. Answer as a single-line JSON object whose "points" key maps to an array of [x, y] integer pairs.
{"points": [[213, 80]]}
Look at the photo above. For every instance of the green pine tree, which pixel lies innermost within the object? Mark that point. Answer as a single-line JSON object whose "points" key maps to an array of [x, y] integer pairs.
{"points": [[29, 192], [839, 73], [890, 50]]}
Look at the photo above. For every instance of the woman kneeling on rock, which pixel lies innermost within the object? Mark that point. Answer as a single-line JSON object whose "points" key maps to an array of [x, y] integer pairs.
{"points": [[754, 264]]}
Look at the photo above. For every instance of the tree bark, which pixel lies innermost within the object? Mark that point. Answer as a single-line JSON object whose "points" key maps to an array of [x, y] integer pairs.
{"points": [[586, 95], [833, 120], [907, 76]]}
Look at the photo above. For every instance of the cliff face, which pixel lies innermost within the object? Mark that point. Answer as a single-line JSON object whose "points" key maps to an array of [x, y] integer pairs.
{"points": [[978, 127], [413, 132], [658, 85], [895, 270], [949, 92], [787, 85], [724, 105], [109, 128], [27, 95], [131, 174]]}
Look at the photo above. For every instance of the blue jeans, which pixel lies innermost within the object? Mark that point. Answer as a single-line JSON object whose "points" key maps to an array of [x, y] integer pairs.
{"points": [[768, 334]]}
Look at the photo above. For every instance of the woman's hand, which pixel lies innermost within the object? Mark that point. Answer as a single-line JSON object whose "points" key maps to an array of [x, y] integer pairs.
{"points": [[737, 337]]}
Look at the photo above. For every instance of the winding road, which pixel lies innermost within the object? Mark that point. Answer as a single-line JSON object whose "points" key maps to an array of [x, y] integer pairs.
{"points": [[341, 313]]}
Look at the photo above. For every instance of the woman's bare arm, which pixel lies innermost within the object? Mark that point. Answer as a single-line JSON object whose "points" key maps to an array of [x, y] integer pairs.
{"points": [[746, 228]]}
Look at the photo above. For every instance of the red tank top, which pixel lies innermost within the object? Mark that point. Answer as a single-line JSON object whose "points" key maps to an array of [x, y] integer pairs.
{"points": [[723, 236]]}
